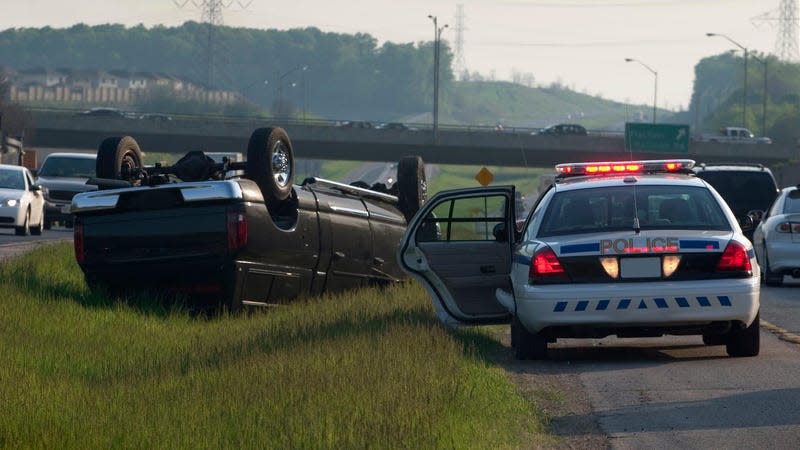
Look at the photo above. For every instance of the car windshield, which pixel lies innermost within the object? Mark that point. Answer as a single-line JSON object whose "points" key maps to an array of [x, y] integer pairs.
{"points": [[600, 210], [743, 190], [64, 166], [11, 179]]}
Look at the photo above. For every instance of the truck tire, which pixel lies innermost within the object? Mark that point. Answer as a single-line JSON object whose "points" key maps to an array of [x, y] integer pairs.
{"points": [[270, 163], [117, 158], [412, 186]]}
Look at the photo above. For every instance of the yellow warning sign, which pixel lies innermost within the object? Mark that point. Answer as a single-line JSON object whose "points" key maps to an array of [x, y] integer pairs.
{"points": [[484, 176]]}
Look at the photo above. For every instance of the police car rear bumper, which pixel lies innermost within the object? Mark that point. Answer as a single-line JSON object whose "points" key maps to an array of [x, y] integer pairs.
{"points": [[631, 305]]}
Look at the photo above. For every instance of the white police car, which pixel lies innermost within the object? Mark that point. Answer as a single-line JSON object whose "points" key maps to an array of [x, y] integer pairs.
{"points": [[632, 249]]}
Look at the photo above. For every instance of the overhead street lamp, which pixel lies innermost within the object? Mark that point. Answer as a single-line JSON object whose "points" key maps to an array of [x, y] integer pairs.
{"points": [[655, 84], [280, 83], [764, 104], [744, 93], [437, 38]]}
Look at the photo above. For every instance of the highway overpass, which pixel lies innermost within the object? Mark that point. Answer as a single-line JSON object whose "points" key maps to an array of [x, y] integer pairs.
{"points": [[324, 140]]}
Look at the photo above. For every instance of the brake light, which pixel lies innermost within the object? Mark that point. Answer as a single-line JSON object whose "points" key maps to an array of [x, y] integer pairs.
{"points": [[237, 230], [77, 241], [545, 267], [734, 259], [788, 227]]}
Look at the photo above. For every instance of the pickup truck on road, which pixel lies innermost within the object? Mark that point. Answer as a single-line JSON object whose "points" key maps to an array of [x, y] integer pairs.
{"points": [[734, 135], [251, 240]]}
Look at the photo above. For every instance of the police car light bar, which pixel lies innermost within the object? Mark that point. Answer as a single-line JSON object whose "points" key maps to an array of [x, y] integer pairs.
{"points": [[625, 167]]}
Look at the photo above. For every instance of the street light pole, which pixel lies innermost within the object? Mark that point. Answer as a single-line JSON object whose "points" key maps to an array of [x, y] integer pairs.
{"points": [[437, 37], [655, 83], [744, 92], [764, 100]]}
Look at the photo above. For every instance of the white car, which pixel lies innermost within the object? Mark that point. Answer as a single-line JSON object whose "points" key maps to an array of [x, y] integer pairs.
{"points": [[590, 261], [777, 238], [21, 201]]}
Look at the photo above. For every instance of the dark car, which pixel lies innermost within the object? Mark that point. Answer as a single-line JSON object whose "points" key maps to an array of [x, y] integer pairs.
{"points": [[104, 112], [748, 189], [563, 129], [62, 175], [258, 239], [397, 126], [355, 124]]}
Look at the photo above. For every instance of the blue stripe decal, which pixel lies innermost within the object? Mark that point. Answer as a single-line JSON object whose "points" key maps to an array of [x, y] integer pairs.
{"points": [[687, 244], [751, 253], [522, 259], [625, 303], [580, 248]]}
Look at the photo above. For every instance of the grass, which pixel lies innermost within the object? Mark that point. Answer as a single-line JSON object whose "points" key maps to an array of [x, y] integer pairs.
{"points": [[369, 369]]}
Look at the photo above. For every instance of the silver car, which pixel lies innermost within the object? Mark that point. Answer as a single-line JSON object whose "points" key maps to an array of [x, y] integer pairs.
{"points": [[776, 240]]}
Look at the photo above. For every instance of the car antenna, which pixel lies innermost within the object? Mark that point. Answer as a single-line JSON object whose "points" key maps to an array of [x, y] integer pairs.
{"points": [[636, 226]]}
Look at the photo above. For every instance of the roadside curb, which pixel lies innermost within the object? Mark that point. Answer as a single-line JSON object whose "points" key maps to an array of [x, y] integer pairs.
{"points": [[781, 333]]}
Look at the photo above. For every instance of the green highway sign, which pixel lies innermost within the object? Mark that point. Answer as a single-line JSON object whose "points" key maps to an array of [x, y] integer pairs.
{"points": [[649, 137]]}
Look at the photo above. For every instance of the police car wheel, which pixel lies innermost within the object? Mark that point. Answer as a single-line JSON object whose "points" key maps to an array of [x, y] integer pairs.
{"points": [[745, 342], [527, 345]]}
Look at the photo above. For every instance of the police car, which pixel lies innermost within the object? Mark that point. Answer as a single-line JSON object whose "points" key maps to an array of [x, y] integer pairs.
{"points": [[632, 249]]}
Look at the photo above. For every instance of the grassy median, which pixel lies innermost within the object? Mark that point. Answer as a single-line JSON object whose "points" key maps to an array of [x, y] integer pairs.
{"points": [[370, 369]]}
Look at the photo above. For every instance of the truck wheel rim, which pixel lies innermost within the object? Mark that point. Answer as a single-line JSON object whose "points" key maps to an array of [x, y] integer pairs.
{"points": [[281, 164]]}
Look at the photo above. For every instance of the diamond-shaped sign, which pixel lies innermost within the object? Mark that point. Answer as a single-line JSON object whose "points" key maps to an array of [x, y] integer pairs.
{"points": [[484, 176]]}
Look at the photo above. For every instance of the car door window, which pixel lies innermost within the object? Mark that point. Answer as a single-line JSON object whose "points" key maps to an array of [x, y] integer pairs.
{"points": [[464, 219]]}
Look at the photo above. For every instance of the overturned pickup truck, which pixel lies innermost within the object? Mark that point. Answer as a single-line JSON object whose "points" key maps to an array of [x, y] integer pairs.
{"points": [[255, 239]]}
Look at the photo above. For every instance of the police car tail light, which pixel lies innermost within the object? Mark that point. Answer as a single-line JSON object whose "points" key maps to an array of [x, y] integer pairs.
{"points": [[734, 259], [545, 266], [669, 264]]}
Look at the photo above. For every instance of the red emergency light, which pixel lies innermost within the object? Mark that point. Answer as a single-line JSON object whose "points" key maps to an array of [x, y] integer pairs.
{"points": [[624, 167]]}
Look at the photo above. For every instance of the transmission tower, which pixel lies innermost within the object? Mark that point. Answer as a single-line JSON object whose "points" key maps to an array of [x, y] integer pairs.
{"points": [[460, 66], [211, 15], [786, 44]]}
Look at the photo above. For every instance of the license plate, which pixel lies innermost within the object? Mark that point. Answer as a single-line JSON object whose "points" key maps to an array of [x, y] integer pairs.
{"points": [[66, 209], [640, 267]]}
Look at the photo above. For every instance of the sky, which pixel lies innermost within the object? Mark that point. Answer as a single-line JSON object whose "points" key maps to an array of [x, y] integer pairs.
{"points": [[581, 44]]}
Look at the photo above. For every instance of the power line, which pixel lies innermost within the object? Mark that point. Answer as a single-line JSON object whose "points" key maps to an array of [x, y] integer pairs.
{"points": [[786, 44]]}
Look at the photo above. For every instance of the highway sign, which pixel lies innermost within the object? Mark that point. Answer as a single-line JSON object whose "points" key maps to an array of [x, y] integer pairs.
{"points": [[649, 137]]}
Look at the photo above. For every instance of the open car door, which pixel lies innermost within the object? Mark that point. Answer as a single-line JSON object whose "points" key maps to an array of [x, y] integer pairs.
{"points": [[459, 247]]}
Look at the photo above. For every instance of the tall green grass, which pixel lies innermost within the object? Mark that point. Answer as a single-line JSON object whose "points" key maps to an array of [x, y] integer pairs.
{"points": [[368, 369]]}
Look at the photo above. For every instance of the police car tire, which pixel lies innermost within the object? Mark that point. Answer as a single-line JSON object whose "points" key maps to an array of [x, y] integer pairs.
{"points": [[745, 342], [770, 278], [527, 345]]}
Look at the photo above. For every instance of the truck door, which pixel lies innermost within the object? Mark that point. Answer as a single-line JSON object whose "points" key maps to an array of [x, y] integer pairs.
{"points": [[345, 220]]}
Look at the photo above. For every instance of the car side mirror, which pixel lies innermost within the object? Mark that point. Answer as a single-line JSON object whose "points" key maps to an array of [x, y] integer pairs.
{"points": [[36, 188], [500, 233]]}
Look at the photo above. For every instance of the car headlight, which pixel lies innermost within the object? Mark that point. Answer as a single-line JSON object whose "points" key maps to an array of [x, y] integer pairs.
{"points": [[11, 202]]}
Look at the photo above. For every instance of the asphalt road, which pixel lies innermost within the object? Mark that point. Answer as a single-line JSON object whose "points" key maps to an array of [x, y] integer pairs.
{"points": [[675, 392], [11, 244]]}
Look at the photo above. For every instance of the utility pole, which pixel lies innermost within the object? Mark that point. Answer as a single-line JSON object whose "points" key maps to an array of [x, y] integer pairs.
{"points": [[437, 38]]}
